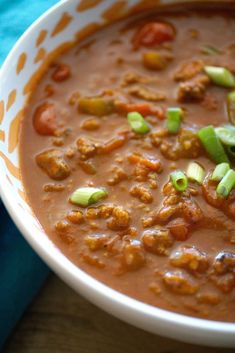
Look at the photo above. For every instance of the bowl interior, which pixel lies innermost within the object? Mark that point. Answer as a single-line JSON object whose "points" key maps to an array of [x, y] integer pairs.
{"points": [[56, 31]]}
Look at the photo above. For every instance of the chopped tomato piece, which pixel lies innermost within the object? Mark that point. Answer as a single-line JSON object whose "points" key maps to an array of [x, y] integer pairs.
{"points": [[153, 34], [149, 162], [142, 108], [44, 119]]}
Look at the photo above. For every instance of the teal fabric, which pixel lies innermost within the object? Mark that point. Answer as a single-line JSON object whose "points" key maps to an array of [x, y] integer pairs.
{"points": [[21, 271]]}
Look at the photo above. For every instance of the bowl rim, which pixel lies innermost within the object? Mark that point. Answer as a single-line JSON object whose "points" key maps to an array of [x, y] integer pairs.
{"points": [[85, 283]]}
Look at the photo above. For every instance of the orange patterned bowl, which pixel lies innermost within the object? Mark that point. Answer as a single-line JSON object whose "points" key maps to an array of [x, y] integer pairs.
{"points": [[54, 32]]}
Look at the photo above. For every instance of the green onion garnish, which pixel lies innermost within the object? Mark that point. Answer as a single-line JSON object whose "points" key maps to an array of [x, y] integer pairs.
{"points": [[212, 144], [230, 127], [231, 107], [195, 172], [87, 196], [220, 171], [138, 123], [174, 116], [220, 76], [226, 136], [209, 50], [179, 180], [226, 184], [231, 151]]}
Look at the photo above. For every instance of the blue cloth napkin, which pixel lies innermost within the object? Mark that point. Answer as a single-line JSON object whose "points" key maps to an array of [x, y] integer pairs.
{"points": [[21, 271]]}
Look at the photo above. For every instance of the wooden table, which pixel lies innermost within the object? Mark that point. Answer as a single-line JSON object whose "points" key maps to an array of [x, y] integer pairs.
{"points": [[60, 321]]}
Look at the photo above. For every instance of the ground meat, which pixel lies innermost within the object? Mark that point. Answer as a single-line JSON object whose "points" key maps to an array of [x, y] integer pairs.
{"points": [[223, 274], [105, 211], [132, 78], [53, 163], [209, 192], [179, 283], [179, 229], [142, 193], [52, 187], [92, 213], [147, 94], [208, 298], [75, 217], [96, 241], [90, 124], [62, 227], [120, 219], [92, 260], [179, 212], [133, 256], [189, 70], [210, 102], [118, 175], [225, 283], [191, 211], [185, 145], [224, 262], [88, 167], [193, 91], [61, 73], [190, 258], [86, 148], [157, 241]]}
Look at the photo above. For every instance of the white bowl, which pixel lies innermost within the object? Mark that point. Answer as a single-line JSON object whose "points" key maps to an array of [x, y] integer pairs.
{"points": [[58, 28]]}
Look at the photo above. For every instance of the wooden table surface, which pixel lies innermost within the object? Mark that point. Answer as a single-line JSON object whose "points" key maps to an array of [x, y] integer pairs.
{"points": [[60, 321]]}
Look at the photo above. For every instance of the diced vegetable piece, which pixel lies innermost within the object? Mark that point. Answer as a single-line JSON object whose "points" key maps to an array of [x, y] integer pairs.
{"points": [[174, 116], [209, 50], [220, 76], [226, 136], [87, 196], [179, 180], [212, 144], [154, 61], [97, 106], [152, 34], [195, 172], [142, 108], [227, 183], [138, 123], [231, 107], [220, 171]]}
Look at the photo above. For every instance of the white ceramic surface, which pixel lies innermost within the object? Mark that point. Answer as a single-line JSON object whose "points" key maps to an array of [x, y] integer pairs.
{"points": [[57, 26]]}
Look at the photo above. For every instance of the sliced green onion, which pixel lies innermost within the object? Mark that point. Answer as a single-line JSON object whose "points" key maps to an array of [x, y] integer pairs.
{"points": [[226, 184], [231, 107], [179, 180], [174, 116], [195, 172], [87, 196], [231, 151], [209, 50], [138, 123], [230, 127], [220, 171], [220, 76], [212, 144], [226, 136]]}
